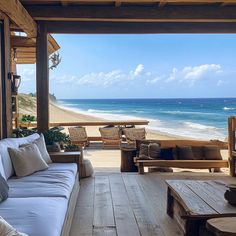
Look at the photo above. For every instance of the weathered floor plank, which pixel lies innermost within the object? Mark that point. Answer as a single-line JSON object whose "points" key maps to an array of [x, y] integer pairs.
{"points": [[103, 207], [128, 204], [124, 216], [146, 219]]}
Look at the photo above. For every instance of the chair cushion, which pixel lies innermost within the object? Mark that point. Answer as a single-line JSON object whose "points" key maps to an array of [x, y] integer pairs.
{"points": [[154, 151], [27, 160], [35, 216], [7, 230], [4, 188], [212, 152], [185, 153], [57, 181]]}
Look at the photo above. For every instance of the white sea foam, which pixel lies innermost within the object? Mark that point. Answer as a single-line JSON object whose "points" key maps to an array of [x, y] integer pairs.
{"points": [[229, 108], [177, 128]]}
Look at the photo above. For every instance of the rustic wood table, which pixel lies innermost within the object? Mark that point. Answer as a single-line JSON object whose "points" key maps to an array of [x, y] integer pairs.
{"points": [[193, 202]]}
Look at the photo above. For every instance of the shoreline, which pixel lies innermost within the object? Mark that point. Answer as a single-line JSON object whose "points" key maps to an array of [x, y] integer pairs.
{"points": [[59, 113]]}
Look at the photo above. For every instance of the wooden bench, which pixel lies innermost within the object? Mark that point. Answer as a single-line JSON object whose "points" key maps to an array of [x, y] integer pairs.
{"points": [[191, 164]]}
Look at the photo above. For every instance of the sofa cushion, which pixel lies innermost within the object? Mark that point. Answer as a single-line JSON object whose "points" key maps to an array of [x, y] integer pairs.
{"points": [[12, 143], [40, 142], [4, 188], [27, 160], [167, 153], [2, 172], [56, 181], [154, 151], [35, 216], [143, 151], [212, 152], [185, 153], [7, 230], [198, 152]]}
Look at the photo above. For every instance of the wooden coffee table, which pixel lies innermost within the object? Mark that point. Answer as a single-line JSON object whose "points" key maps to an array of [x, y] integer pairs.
{"points": [[193, 202]]}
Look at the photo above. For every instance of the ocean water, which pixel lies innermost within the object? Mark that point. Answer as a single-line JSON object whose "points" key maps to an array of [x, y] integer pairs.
{"points": [[196, 118]]}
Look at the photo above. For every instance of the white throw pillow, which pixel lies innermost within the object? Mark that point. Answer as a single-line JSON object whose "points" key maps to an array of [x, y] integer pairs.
{"points": [[7, 230], [40, 142], [27, 160], [2, 172]]}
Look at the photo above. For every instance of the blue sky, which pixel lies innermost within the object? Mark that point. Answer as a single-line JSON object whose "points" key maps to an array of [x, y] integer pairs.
{"points": [[141, 66]]}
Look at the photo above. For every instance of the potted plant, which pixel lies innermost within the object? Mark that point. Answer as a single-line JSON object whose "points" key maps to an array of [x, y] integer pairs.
{"points": [[55, 139], [26, 120], [72, 148]]}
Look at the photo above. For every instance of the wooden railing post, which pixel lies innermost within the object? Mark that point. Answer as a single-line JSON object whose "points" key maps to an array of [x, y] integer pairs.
{"points": [[231, 142], [42, 77]]}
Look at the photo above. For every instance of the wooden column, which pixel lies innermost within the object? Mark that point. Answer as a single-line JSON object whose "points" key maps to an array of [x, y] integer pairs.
{"points": [[5, 85], [231, 142], [42, 77]]}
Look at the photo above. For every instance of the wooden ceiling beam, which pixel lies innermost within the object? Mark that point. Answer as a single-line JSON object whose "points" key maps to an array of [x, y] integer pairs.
{"points": [[169, 13], [31, 2], [76, 27], [17, 13]]}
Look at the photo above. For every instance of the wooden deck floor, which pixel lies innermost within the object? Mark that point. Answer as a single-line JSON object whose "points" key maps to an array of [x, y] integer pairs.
{"points": [[128, 204]]}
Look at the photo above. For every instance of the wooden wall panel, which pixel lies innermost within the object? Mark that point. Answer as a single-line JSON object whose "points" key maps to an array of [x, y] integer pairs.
{"points": [[6, 106]]}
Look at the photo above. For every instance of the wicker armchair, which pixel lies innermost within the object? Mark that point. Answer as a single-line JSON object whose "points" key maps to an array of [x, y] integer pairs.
{"points": [[111, 137], [78, 135], [133, 134]]}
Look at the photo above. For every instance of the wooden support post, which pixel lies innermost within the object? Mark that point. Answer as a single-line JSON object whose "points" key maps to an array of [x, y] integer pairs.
{"points": [[5, 86], [231, 142], [140, 168], [42, 77]]}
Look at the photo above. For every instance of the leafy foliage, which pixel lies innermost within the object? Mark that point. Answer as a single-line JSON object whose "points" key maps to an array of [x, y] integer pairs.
{"points": [[55, 135]]}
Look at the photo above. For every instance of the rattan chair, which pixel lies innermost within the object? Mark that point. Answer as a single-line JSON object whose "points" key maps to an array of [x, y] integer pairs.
{"points": [[78, 135], [133, 134], [111, 137]]}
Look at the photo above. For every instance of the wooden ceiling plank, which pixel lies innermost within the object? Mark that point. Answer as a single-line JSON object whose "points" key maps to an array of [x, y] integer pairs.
{"points": [[17, 13], [168, 13], [68, 27]]}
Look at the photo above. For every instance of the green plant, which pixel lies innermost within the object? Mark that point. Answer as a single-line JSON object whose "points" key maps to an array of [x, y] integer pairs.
{"points": [[55, 135], [72, 146], [27, 118], [24, 132]]}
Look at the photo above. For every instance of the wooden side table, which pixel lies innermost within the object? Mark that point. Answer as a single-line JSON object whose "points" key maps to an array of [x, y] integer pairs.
{"points": [[68, 157], [225, 226], [127, 160]]}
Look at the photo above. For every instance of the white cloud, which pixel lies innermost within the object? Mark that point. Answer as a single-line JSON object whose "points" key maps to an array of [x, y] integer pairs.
{"points": [[27, 74], [191, 74], [138, 70], [154, 80], [221, 82]]}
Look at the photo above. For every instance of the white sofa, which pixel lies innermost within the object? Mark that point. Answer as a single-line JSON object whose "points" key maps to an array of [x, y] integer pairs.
{"points": [[43, 203]]}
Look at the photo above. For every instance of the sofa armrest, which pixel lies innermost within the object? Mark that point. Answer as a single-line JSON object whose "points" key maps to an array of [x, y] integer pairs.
{"points": [[66, 157]]}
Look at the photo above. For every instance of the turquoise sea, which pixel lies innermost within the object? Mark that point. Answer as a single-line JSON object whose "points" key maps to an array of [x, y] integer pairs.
{"points": [[204, 118]]}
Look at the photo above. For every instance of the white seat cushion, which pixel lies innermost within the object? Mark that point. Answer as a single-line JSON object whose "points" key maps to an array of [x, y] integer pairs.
{"points": [[57, 181], [35, 216]]}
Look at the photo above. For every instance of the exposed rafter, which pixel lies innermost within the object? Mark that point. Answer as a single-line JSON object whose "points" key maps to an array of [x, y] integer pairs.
{"points": [[18, 14], [170, 13]]}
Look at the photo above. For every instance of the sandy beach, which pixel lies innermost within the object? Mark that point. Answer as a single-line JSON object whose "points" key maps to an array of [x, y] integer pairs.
{"points": [[61, 114]]}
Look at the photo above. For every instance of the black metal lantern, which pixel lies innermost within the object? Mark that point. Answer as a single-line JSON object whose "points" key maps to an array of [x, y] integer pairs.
{"points": [[15, 82]]}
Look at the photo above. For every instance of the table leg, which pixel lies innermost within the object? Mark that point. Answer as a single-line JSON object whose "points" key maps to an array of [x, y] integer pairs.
{"points": [[192, 227], [170, 203], [140, 168]]}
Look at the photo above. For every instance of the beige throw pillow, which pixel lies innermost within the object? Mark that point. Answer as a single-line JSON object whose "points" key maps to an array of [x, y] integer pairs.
{"points": [[40, 142], [7, 230], [27, 160]]}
